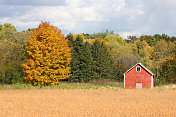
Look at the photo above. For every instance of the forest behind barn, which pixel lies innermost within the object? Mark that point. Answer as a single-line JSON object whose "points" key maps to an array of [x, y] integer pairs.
{"points": [[97, 56]]}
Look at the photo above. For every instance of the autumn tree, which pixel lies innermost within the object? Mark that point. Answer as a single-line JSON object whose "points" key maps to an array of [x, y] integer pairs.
{"points": [[161, 50], [167, 72], [144, 51], [124, 55], [116, 38], [10, 60], [149, 39], [48, 56], [7, 31], [12, 52]]}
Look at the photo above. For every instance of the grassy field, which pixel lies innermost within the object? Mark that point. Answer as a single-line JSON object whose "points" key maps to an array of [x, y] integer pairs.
{"points": [[88, 103], [92, 85]]}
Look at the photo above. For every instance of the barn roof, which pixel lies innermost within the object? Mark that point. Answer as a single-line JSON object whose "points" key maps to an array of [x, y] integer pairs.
{"points": [[150, 72]]}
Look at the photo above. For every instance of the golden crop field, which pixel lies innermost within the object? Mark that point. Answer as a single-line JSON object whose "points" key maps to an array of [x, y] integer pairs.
{"points": [[88, 103]]}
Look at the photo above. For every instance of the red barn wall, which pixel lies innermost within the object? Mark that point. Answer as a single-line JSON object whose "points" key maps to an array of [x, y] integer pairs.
{"points": [[132, 77]]}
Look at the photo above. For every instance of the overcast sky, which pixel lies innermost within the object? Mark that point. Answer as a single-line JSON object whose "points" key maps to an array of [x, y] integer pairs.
{"points": [[125, 17]]}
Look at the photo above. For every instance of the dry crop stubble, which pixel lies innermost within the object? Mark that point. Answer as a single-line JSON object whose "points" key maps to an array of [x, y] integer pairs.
{"points": [[94, 103]]}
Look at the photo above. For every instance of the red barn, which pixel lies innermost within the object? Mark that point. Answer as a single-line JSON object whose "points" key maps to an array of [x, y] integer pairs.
{"points": [[138, 77]]}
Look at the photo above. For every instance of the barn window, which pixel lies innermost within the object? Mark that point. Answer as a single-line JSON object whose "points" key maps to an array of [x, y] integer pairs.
{"points": [[138, 69]]}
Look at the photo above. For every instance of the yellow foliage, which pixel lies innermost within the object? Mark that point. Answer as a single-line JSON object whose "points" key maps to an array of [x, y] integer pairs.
{"points": [[48, 54]]}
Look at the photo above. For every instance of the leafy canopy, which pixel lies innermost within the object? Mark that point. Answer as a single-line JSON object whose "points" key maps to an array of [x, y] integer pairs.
{"points": [[48, 56]]}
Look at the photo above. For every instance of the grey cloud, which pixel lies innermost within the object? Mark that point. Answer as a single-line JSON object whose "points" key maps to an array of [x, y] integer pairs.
{"points": [[159, 16], [33, 2], [156, 17], [15, 8], [13, 11]]}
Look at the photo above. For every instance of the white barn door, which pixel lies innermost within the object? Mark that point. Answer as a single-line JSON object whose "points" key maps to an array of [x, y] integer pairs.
{"points": [[139, 85]]}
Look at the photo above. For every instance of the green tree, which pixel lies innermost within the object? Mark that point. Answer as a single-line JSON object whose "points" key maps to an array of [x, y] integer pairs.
{"points": [[124, 55], [102, 63], [159, 54], [144, 51], [149, 39], [7, 32], [161, 50], [10, 57], [1, 27], [101, 35], [21, 37], [116, 38], [76, 45], [81, 64], [133, 38], [87, 64], [12, 53]]}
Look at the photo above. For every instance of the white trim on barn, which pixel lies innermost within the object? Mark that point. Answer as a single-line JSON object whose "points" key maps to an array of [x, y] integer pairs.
{"points": [[130, 68], [124, 80], [152, 82], [142, 67], [152, 77]]}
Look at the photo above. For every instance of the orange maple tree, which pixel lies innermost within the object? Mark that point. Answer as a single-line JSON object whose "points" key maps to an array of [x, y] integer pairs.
{"points": [[48, 56]]}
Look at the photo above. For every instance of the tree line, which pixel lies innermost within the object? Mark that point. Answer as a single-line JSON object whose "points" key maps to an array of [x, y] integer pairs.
{"points": [[45, 56]]}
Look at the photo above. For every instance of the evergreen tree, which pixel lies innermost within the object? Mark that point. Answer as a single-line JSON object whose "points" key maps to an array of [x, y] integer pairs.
{"points": [[81, 64], [77, 46], [87, 64], [102, 63]]}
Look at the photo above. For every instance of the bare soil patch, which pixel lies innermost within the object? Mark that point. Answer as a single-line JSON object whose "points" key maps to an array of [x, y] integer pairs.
{"points": [[90, 103]]}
